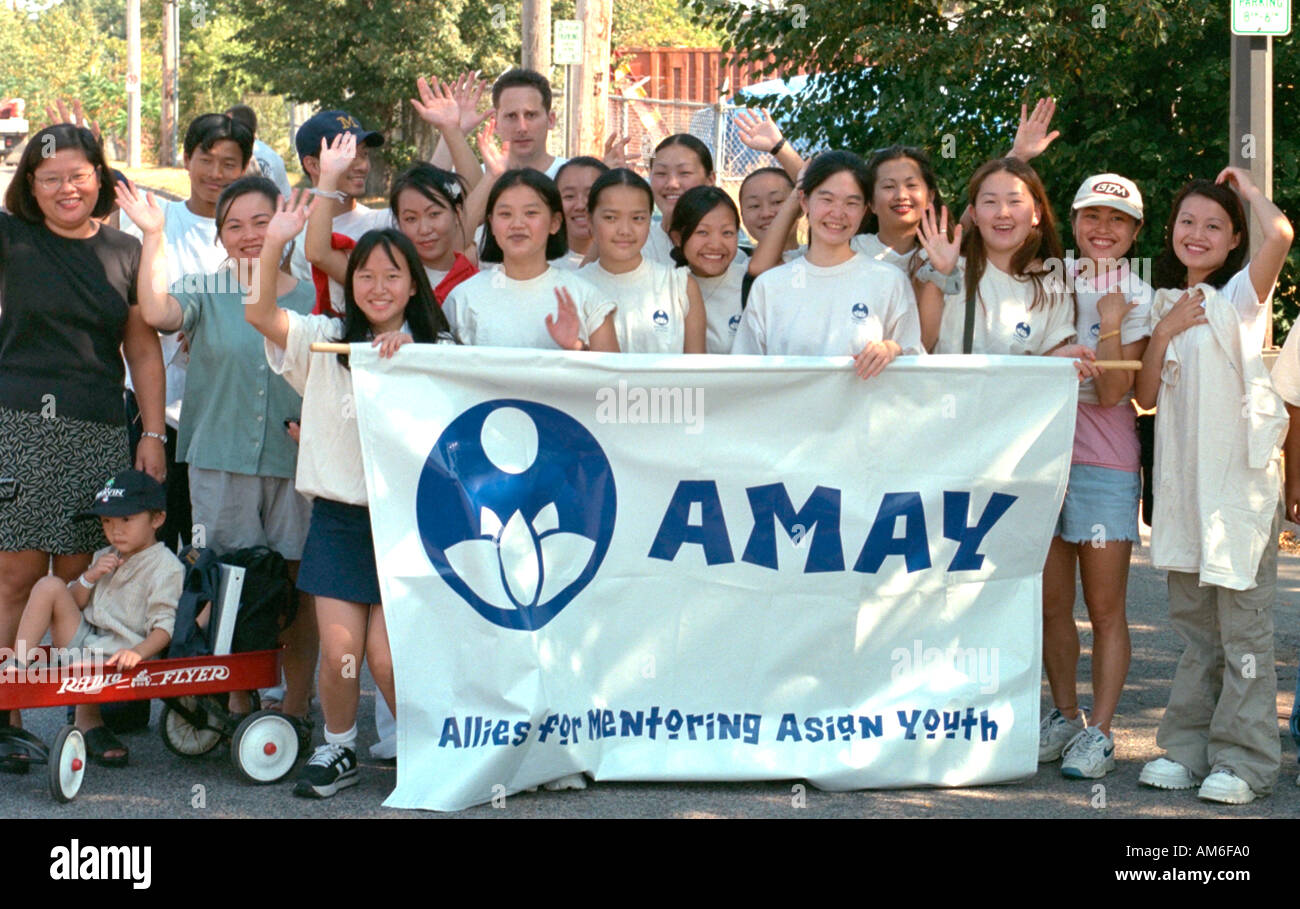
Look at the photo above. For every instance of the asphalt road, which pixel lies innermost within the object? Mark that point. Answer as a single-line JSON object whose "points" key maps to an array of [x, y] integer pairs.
{"points": [[159, 784]]}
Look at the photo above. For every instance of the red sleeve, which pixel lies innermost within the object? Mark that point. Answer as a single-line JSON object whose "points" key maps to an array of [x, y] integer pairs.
{"points": [[461, 269], [322, 281]]}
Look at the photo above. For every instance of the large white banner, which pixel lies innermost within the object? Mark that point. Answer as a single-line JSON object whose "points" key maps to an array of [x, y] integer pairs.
{"points": [[711, 568]]}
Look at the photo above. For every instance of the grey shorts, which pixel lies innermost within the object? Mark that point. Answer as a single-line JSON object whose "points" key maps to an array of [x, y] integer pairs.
{"points": [[89, 638], [235, 511]]}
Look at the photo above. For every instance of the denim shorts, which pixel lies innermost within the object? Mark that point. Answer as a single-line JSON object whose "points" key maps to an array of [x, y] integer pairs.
{"points": [[1101, 504]]}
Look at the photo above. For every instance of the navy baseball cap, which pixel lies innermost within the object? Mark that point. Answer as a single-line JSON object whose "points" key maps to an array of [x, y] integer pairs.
{"points": [[126, 493], [328, 124]]}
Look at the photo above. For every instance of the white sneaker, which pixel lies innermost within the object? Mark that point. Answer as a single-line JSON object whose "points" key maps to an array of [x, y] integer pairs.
{"points": [[1089, 756], [1055, 732], [1163, 773], [1225, 786]]}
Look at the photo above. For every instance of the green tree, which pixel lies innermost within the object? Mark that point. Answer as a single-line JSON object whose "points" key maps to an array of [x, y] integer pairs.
{"points": [[660, 23], [70, 51], [365, 56], [1141, 88]]}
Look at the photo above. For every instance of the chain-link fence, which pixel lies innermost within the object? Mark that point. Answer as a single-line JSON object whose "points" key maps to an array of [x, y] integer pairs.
{"points": [[647, 121]]}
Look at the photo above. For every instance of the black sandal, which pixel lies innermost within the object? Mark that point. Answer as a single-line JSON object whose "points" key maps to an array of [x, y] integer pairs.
{"points": [[99, 741]]}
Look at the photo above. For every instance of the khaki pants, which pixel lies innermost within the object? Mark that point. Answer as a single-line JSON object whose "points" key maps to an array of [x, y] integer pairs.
{"points": [[1222, 712]]}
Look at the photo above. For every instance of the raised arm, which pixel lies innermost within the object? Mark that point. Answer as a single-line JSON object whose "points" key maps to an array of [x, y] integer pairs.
{"points": [[437, 106], [494, 165], [335, 158], [759, 131], [1277, 234], [1032, 135], [159, 308], [768, 252], [943, 253], [261, 308]]}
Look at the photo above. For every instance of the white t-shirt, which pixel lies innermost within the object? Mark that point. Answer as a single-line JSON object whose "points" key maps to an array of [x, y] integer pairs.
{"points": [[494, 310], [272, 167], [1286, 370], [352, 224], [801, 309], [1004, 323], [329, 450], [871, 246], [571, 260], [1088, 291], [191, 248], [721, 296], [658, 247], [651, 302]]}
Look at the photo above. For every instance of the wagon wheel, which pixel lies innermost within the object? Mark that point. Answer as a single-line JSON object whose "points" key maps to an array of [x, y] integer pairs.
{"points": [[264, 747], [67, 764], [184, 728]]}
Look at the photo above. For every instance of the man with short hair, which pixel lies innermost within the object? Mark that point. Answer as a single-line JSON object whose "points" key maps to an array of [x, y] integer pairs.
{"points": [[217, 151], [522, 100], [268, 161], [351, 218]]}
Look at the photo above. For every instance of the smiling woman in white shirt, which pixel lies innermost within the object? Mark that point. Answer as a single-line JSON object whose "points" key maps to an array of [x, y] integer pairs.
{"points": [[1217, 487], [833, 301], [658, 307], [527, 302]]}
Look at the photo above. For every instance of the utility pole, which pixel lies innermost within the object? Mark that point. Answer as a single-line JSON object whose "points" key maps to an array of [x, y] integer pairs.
{"points": [[1250, 106], [166, 132], [133, 83], [591, 88], [536, 33]]}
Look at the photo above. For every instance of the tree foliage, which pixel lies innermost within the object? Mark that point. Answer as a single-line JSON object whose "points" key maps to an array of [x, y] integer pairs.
{"points": [[69, 51], [660, 23], [1141, 89], [365, 55]]}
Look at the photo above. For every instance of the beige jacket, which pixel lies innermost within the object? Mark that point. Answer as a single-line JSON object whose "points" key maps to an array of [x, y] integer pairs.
{"points": [[1219, 425]]}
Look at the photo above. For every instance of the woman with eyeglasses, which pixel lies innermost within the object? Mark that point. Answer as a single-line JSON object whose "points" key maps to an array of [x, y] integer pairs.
{"points": [[68, 285]]}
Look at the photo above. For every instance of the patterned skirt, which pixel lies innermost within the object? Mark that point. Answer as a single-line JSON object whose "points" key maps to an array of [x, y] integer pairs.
{"points": [[56, 466]]}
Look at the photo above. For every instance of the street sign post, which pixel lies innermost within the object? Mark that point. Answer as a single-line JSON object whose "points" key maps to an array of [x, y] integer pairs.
{"points": [[1261, 17]]}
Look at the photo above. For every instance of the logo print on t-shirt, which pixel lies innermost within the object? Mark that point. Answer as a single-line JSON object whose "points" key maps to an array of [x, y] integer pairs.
{"points": [[859, 312], [515, 507], [660, 318], [734, 322], [1022, 331], [1095, 330]]}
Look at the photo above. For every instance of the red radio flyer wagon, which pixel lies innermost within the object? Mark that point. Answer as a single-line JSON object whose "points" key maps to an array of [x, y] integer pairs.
{"points": [[264, 744]]}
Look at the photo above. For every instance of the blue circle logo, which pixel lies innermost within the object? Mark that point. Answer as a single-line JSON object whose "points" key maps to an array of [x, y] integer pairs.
{"points": [[515, 507], [660, 318], [859, 312], [1096, 329], [1022, 331], [734, 322]]}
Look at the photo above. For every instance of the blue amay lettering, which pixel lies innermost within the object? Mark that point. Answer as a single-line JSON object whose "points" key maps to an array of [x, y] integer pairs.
{"points": [[956, 508], [913, 545], [710, 533], [819, 518]]}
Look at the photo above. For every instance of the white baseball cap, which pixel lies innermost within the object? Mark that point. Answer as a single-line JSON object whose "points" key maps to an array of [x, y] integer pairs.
{"points": [[1110, 191]]}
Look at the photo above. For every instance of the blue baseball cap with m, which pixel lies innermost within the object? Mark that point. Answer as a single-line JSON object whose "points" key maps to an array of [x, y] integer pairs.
{"points": [[328, 124]]}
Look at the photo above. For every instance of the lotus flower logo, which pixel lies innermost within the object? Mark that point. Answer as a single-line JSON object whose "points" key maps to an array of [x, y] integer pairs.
{"points": [[516, 509]]}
